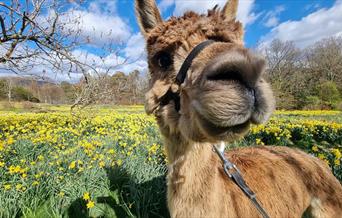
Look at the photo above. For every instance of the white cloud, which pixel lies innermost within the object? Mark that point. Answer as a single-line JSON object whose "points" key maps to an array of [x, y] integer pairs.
{"points": [[140, 65], [271, 21], [135, 47], [320, 24], [245, 12], [112, 62], [42, 70], [99, 28], [271, 18], [102, 64], [99, 24], [132, 57]]}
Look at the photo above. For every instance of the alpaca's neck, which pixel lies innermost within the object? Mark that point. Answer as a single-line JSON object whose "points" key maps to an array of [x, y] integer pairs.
{"points": [[192, 172], [187, 161], [197, 154]]}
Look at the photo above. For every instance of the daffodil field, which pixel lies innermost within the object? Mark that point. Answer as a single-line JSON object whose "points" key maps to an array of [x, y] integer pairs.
{"points": [[110, 162]]}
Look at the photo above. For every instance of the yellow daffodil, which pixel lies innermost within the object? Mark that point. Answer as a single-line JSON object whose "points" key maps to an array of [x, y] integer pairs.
{"points": [[90, 204], [18, 187], [72, 165], [7, 186], [337, 162], [61, 194], [314, 148], [86, 196]]}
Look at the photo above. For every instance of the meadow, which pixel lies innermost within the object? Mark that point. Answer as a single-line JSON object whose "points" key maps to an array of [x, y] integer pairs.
{"points": [[110, 162]]}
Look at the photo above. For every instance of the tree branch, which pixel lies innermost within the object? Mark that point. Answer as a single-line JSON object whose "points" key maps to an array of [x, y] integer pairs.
{"points": [[3, 28]]}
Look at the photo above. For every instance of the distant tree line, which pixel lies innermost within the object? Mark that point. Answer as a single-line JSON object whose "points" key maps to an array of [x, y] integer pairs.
{"points": [[309, 78], [25, 89], [118, 88]]}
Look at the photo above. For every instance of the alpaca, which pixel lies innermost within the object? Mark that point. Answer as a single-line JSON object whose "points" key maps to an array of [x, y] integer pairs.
{"points": [[222, 94]]}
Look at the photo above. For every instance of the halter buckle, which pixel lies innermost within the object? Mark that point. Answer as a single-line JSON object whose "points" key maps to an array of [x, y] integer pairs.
{"points": [[229, 168]]}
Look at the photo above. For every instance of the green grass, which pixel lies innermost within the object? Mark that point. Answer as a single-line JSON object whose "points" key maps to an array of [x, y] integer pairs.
{"points": [[329, 118], [134, 189]]}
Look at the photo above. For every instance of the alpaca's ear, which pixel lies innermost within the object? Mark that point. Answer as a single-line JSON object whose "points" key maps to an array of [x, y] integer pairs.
{"points": [[230, 9], [148, 15]]}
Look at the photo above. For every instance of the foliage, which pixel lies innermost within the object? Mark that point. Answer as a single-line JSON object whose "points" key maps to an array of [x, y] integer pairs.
{"points": [[311, 102], [111, 163], [70, 92], [284, 101], [22, 94], [329, 94]]}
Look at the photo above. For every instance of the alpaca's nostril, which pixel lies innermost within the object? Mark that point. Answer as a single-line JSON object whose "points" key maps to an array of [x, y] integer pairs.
{"points": [[228, 75], [225, 75], [235, 65]]}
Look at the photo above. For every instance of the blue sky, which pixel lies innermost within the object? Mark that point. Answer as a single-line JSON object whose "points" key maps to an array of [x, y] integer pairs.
{"points": [[104, 21]]}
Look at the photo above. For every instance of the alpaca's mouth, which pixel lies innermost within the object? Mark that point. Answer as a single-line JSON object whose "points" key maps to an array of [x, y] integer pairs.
{"points": [[216, 131], [248, 93], [227, 78]]}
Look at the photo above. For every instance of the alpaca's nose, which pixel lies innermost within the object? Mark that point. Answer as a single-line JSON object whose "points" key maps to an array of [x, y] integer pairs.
{"points": [[238, 65]]}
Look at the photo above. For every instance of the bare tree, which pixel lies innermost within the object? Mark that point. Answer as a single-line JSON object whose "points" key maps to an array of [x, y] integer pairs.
{"points": [[284, 71], [44, 34], [324, 59], [283, 60], [32, 34]]}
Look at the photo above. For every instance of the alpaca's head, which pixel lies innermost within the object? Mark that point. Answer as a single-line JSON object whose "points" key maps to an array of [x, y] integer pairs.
{"points": [[224, 90]]}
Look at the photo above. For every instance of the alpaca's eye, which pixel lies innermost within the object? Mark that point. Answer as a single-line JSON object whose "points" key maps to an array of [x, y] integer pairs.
{"points": [[164, 60]]}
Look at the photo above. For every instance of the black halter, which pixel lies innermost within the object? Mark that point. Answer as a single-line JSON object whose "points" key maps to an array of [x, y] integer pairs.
{"points": [[182, 74]]}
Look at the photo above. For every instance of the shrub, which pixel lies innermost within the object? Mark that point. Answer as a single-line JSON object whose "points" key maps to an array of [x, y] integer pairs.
{"points": [[339, 106], [312, 102], [22, 94], [285, 101], [329, 94]]}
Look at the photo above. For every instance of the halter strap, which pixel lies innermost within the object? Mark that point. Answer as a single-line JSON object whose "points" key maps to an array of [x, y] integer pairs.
{"points": [[188, 60], [234, 174], [170, 95]]}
